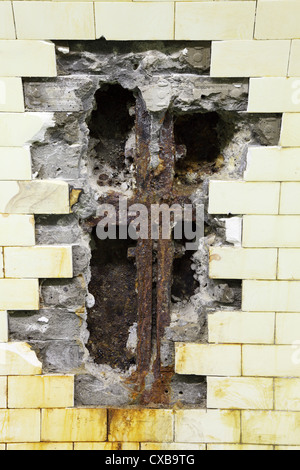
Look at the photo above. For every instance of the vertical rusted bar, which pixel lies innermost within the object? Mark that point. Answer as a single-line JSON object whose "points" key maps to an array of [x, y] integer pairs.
{"points": [[163, 192], [153, 186], [165, 172], [165, 256], [165, 251], [144, 253], [143, 156], [144, 331]]}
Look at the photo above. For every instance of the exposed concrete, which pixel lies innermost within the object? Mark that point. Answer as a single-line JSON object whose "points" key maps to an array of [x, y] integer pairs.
{"points": [[169, 76]]}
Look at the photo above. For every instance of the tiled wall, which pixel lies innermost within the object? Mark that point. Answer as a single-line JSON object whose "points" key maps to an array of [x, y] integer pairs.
{"points": [[252, 360]]}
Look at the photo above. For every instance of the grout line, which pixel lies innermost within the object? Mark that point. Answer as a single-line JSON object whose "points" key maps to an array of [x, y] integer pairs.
{"points": [[14, 18], [174, 24], [108, 417], [289, 59], [255, 16], [94, 13], [7, 392], [41, 412], [279, 205], [2, 275], [174, 416], [241, 425]]}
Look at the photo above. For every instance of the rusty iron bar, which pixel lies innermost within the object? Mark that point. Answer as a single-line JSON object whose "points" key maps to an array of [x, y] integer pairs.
{"points": [[162, 191], [165, 249], [144, 249], [153, 186]]}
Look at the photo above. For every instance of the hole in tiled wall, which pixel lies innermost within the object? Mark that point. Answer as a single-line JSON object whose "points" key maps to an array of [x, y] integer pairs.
{"points": [[88, 325], [110, 125], [200, 139], [113, 279]]}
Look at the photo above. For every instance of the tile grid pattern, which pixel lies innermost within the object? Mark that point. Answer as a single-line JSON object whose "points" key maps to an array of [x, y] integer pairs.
{"points": [[252, 359]]}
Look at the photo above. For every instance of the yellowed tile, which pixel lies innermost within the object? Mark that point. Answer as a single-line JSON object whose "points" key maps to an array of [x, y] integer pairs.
{"points": [[240, 447], [146, 425], [34, 197], [207, 426], [172, 446], [274, 95], [176, 0], [20, 425], [250, 58], [41, 446], [214, 20], [2, 446], [270, 361], [271, 427], [7, 27], [270, 296], [287, 329], [106, 446], [3, 392], [39, 262], [110, 20], [35, 59], [287, 394], [18, 359], [54, 20], [47, 391], [208, 359], [294, 67], [285, 19], [241, 327], [289, 199], [3, 328], [273, 164], [239, 393], [289, 264], [271, 231], [77, 424], [17, 129], [15, 163], [239, 197], [290, 136], [17, 230], [19, 294], [287, 448], [242, 263], [11, 93]]}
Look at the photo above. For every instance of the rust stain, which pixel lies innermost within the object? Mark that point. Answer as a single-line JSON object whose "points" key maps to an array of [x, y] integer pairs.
{"points": [[75, 196], [221, 392], [139, 424], [181, 356], [80, 311], [215, 257]]}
